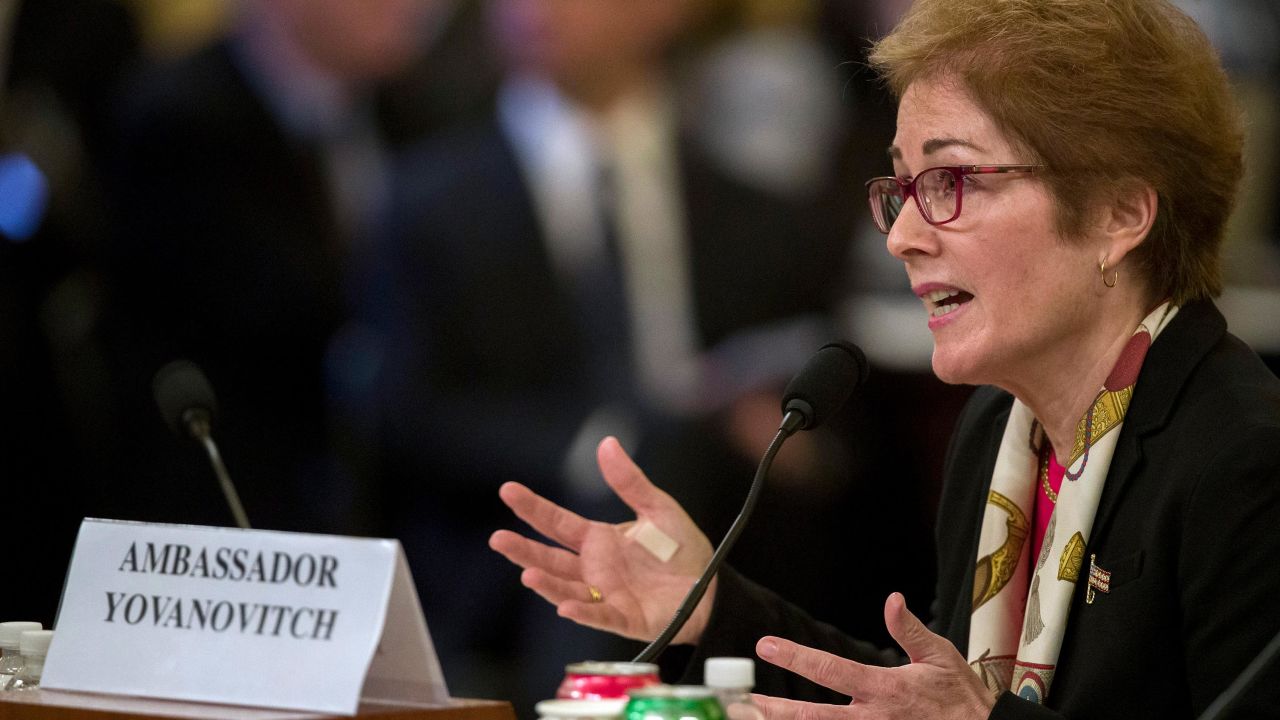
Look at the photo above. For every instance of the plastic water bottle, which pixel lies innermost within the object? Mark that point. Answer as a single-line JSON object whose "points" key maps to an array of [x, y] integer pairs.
{"points": [[10, 655], [34, 647], [732, 679]]}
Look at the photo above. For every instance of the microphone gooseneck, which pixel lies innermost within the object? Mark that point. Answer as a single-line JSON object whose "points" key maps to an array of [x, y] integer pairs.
{"points": [[188, 405], [812, 396]]}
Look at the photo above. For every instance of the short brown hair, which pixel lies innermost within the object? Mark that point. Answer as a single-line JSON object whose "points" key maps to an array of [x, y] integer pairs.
{"points": [[1103, 93]]}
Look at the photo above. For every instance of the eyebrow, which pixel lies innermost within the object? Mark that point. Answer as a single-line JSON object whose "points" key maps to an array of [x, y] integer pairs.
{"points": [[933, 145]]}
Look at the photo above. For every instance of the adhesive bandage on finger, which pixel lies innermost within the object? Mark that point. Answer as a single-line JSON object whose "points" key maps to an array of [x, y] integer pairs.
{"points": [[658, 543]]}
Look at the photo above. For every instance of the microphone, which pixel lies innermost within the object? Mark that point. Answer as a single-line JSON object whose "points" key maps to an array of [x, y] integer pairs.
{"points": [[813, 395], [822, 385], [188, 405]]}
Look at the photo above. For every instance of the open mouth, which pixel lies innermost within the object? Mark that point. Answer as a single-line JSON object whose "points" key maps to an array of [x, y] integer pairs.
{"points": [[944, 301]]}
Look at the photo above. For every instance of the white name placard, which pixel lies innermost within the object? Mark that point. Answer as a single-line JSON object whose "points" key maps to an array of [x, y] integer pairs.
{"points": [[243, 617]]}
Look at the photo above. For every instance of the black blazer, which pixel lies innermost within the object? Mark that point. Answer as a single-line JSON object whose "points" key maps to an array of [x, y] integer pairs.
{"points": [[1187, 525]]}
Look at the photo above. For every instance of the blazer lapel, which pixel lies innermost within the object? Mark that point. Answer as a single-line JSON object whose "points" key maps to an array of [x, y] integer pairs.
{"points": [[1169, 363]]}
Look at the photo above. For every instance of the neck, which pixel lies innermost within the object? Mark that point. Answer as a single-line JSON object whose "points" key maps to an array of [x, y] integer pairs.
{"points": [[1062, 388]]}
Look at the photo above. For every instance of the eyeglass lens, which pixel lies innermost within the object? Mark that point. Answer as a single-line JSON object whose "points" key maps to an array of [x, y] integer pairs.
{"points": [[935, 191]]}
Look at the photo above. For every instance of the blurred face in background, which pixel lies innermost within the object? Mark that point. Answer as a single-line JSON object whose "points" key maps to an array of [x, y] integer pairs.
{"points": [[360, 40], [579, 43]]}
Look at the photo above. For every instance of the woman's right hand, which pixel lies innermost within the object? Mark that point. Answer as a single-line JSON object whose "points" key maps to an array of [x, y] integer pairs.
{"points": [[638, 592]]}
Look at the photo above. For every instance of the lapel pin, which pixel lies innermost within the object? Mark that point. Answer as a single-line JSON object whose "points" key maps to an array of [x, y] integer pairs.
{"points": [[1099, 580]]}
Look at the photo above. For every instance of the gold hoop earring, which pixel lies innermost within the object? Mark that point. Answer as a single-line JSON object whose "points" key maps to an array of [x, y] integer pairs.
{"points": [[1102, 269]]}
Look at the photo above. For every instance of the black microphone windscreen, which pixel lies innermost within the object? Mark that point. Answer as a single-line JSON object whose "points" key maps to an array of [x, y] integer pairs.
{"points": [[825, 382], [179, 387]]}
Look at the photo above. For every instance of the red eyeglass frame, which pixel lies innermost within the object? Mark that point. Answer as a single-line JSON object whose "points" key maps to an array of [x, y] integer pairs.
{"points": [[959, 172]]}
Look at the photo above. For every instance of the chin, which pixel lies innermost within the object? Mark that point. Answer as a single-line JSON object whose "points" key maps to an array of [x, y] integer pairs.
{"points": [[951, 368], [950, 378]]}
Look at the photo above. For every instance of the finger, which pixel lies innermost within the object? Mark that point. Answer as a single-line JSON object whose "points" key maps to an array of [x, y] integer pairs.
{"points": [[629, 481], [830, 671], [561, 525], [529, 553], [920, 644], [554, 590], [783, 709], [601, 616]]}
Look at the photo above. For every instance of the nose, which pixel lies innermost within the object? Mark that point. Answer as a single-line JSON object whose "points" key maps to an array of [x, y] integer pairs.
{"points": [[910, 235]]}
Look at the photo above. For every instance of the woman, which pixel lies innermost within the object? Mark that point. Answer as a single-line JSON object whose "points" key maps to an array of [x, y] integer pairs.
{"points": [[1106, 538]]}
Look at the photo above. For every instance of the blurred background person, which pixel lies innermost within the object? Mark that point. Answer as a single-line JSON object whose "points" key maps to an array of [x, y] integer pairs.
{"points": [[583, 263], [248, 181]]}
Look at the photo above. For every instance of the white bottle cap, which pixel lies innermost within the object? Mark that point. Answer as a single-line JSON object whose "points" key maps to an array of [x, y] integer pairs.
{"points": [[11, 632], [35, 643], [729, 672]]}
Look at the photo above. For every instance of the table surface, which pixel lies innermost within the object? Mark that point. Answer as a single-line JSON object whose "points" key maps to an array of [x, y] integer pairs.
{"points": [[40, 704]]}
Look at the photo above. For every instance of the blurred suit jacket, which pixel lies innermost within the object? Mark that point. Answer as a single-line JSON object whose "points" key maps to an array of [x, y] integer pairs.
{"points": [[490, 380]]}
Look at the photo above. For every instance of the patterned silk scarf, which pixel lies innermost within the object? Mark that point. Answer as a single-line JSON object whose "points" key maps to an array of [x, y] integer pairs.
{"points": [[1016, 629]]}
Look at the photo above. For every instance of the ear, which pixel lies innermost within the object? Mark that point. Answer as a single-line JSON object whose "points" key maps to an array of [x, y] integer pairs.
{"points": [[1127, 220]]}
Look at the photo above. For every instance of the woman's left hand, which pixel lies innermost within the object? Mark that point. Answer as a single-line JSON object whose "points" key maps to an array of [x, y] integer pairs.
{"points": [[937, 684]]}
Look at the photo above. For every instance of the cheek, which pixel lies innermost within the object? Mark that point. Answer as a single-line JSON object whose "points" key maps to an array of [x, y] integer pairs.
{"points": [[1025, 265], [1018, 290], [1040, 301]]}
